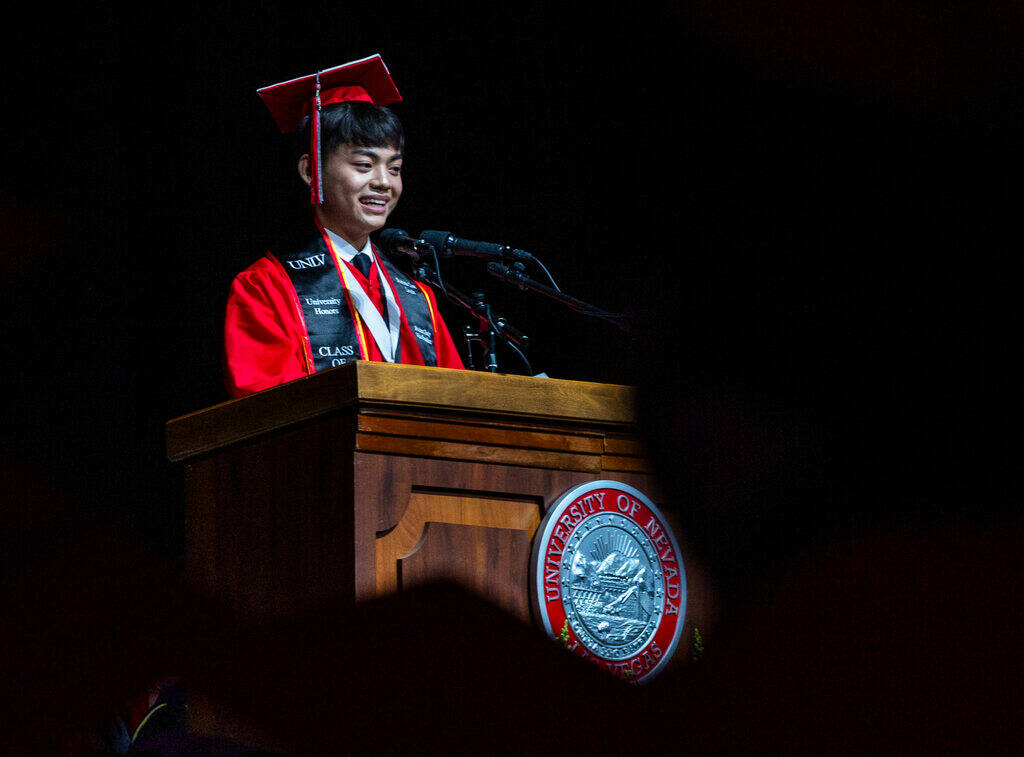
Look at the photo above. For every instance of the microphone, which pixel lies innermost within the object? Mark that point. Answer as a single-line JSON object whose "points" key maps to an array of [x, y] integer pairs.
{"points": [[448, 245], [398, 242]]}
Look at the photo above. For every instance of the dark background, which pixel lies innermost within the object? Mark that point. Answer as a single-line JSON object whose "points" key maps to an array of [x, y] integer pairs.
{"points": [[811, 210]]}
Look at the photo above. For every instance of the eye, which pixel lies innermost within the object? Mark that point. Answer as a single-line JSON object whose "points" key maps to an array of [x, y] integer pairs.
{"points": [[363, 166], [396, 170]]}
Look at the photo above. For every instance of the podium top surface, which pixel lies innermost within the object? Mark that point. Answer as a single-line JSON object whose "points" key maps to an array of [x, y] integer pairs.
{"points": [[366, 385]]}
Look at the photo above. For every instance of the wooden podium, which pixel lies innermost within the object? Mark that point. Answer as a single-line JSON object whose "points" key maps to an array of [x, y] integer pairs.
{"points": [[370, 478]]}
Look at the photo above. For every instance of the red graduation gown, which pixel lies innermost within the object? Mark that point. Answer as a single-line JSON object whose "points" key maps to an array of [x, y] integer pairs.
{"points": [[265, 338]]}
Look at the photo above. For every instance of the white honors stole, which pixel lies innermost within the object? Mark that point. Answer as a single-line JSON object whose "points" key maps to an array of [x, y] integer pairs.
{"points": [[386, 335]]}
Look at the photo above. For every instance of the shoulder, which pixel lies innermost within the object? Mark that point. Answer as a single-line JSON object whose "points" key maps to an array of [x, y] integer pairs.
{"points": [[264, 272], [268, 265]]}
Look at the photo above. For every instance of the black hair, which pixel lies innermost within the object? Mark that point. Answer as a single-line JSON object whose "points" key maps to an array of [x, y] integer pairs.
{"points": [[354, 123]]}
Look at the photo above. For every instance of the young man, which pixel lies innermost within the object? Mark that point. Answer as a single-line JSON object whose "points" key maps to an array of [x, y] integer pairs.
{"points": [[328, 297]]}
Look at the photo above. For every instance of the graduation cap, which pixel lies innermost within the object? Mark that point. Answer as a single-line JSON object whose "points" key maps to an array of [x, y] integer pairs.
{"points": [[367, 80]]}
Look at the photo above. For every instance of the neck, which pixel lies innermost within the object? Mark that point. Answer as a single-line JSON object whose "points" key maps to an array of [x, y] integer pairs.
{"points": [[356, 240]]}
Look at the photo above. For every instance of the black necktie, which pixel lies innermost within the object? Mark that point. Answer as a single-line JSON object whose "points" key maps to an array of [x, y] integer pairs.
{"points": [[362, 262]]}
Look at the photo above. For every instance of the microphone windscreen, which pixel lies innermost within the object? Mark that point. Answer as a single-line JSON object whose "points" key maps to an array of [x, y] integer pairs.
{"points": [[390, 237], [397, 242], [436, 239]]}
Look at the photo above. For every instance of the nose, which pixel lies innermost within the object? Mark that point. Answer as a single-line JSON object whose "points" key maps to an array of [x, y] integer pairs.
{"points": [[381, 178]]}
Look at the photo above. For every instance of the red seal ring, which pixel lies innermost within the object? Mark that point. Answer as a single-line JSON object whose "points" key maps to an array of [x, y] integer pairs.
{"points": [[607, 579]]}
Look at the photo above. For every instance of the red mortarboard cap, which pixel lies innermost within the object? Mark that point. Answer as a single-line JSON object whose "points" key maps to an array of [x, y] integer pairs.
{"points": [[290, 101]]}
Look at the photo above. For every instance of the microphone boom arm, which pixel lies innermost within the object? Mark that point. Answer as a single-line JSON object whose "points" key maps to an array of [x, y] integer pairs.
{"points": [[517, 278]]}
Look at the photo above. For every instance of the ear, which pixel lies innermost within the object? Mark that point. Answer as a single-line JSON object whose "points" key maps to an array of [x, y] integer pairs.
{"points": [[305, 169]]}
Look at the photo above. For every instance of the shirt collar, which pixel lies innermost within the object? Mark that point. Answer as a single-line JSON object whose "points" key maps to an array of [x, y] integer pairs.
{"points": [[347, 251]]}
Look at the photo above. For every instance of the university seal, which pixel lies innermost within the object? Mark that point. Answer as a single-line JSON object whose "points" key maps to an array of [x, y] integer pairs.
{"points": [[607, 578]]}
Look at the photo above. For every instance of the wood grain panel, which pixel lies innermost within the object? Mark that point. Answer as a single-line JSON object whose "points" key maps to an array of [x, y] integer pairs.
{"points": [[627, 446], [269, 522], [478, 512], [496, 434], [493, 562], [477, 453], [496, 393], [615, 464], [384, 485], [482, 418]]}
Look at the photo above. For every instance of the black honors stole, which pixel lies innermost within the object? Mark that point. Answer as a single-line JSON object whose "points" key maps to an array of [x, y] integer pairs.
{"points": [[336, 332]]}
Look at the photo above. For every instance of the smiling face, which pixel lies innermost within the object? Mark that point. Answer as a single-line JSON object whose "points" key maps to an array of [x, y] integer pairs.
{"points": [[361, 188]]}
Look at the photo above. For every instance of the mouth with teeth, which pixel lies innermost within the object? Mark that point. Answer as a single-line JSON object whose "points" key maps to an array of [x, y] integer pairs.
{"points": [[375, 205]]}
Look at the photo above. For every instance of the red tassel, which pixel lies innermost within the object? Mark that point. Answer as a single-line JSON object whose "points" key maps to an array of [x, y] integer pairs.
{"points": [[316, 187]]}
